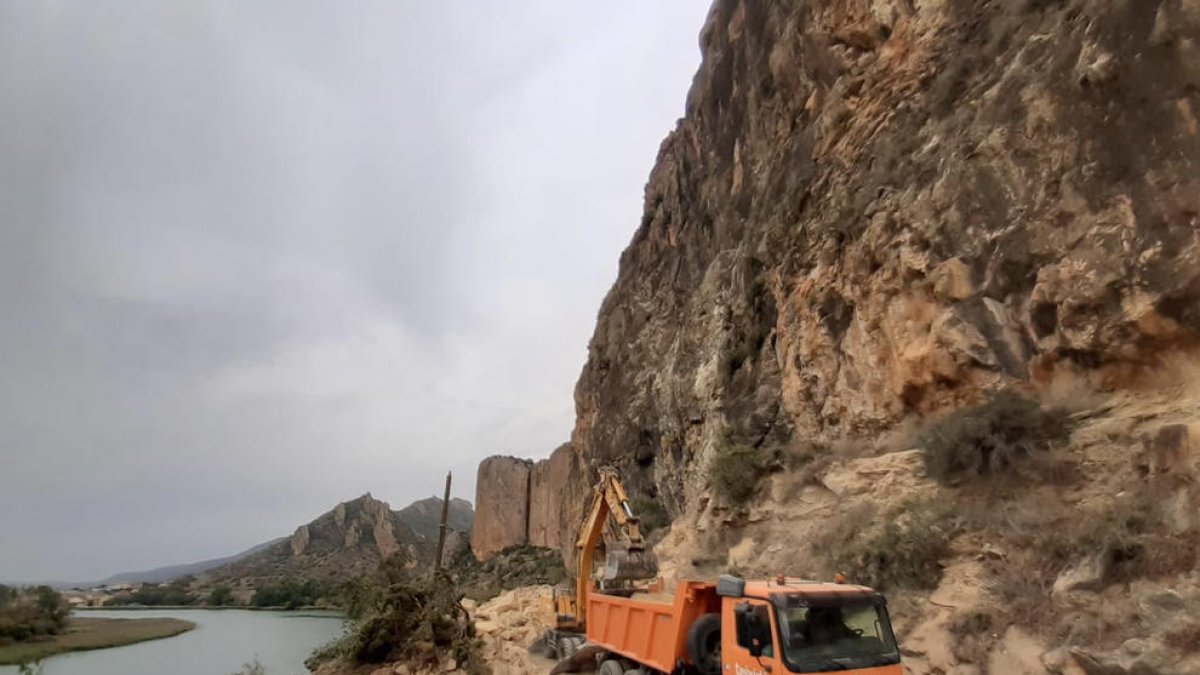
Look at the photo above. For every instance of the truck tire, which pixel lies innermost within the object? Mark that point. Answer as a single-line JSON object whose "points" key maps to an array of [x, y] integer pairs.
{"points": [[612, 667], [567, 646], [704, 644]]}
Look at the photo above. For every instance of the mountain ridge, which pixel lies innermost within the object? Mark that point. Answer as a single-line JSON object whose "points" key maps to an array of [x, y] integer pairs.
{"points": [[352, 538], [169, 572], [415, 527]]}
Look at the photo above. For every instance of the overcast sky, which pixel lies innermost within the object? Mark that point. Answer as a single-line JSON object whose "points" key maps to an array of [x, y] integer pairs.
{"points": [[259, 258]]}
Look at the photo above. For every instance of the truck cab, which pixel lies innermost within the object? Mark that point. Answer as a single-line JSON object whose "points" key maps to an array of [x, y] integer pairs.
{"points": [[790, 625], [739, 627]]}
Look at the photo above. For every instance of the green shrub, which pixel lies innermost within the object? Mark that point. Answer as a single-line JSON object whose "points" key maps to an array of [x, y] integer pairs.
{"points": [[221, 596], [902, 549], [31, 613], [650, 514], [992, 437], [152, 595], [290, 594], [736, 471], [513, 567]]}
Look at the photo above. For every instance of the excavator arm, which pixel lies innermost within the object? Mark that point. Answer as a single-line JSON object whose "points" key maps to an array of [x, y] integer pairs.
{"points": [[608, 497]]}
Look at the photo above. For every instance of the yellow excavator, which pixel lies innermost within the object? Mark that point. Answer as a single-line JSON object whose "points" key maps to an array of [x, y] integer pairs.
{"points": [[624, 562]]}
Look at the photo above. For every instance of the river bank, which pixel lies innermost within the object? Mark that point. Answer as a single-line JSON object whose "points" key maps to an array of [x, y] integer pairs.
{"points": [[214, 608], [84, 634], [221, 643]]}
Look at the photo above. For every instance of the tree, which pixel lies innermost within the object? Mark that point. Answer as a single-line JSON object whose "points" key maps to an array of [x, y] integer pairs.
{"points": [[289, 594], [31, 613], [221, 596]]}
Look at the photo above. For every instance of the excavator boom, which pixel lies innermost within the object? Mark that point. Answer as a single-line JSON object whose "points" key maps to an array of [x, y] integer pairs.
{"points": [[621, 563]]}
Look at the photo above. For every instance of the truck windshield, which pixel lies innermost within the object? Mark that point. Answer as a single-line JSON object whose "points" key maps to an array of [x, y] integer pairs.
{"points": [[819, 639]]}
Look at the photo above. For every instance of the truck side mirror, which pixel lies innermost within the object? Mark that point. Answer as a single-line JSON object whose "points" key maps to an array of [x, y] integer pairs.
{"points": [[747, 624]]}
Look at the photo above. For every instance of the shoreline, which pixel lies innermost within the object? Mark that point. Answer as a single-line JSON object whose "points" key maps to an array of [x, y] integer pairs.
{"points": [[151, 608], [88, 634]]}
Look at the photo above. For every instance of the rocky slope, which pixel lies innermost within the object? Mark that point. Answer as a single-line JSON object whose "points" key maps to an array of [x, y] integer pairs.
{"points": [[873, 213], [878, 209], [352, 538]]}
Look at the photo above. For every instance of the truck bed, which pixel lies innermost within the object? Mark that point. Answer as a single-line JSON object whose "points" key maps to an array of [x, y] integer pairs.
{"points": [[649, 628]]}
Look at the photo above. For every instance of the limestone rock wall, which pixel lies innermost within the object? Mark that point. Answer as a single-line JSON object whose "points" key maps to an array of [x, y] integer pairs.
{"points": [[352, 538], [501, 505], [520, 502], [559, 492], [877, 209]]}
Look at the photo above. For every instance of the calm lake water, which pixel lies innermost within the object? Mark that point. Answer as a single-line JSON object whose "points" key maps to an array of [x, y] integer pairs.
{"points": [[222, 641]]}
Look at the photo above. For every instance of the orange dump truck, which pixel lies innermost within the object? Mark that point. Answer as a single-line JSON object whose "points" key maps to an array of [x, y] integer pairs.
{"points": [[744, 627]]}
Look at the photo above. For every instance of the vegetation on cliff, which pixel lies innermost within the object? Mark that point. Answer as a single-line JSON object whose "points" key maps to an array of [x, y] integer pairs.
{"points": [[511, 568], [992, 437]]}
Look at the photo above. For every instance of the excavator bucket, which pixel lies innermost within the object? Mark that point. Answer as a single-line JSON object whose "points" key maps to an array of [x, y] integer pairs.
{"points": [[628, 564]]}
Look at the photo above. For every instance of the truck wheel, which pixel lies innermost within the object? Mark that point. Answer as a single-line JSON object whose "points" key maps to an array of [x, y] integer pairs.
{"points": [[612, 667], [567, 646], [704, 644]]}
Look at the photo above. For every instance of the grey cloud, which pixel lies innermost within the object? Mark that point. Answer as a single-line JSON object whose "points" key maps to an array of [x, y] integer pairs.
{"points": [[257, 258]]}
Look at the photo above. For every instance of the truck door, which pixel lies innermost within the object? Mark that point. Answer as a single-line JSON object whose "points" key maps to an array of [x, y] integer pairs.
{"points": [[748, 645]]}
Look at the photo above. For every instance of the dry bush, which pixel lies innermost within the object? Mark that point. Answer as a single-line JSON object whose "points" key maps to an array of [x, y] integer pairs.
{"points": [[1043, 541], [1024, 592], [902, 549], [974, 631], [1131, 534], [1073, 390], [736, 471], [990, 438], [970, 623], [412, 621]]}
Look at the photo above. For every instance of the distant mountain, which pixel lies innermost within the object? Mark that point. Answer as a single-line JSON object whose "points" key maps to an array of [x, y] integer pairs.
{"points": [[352, 538], [161, 574], [424, 516]]}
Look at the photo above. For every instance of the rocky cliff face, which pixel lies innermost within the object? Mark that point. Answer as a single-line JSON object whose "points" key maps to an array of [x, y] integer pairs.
{"points": [[351, 539], [524, 503], [873, 213], [875, 209], [502, 501], [424, 516]]}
